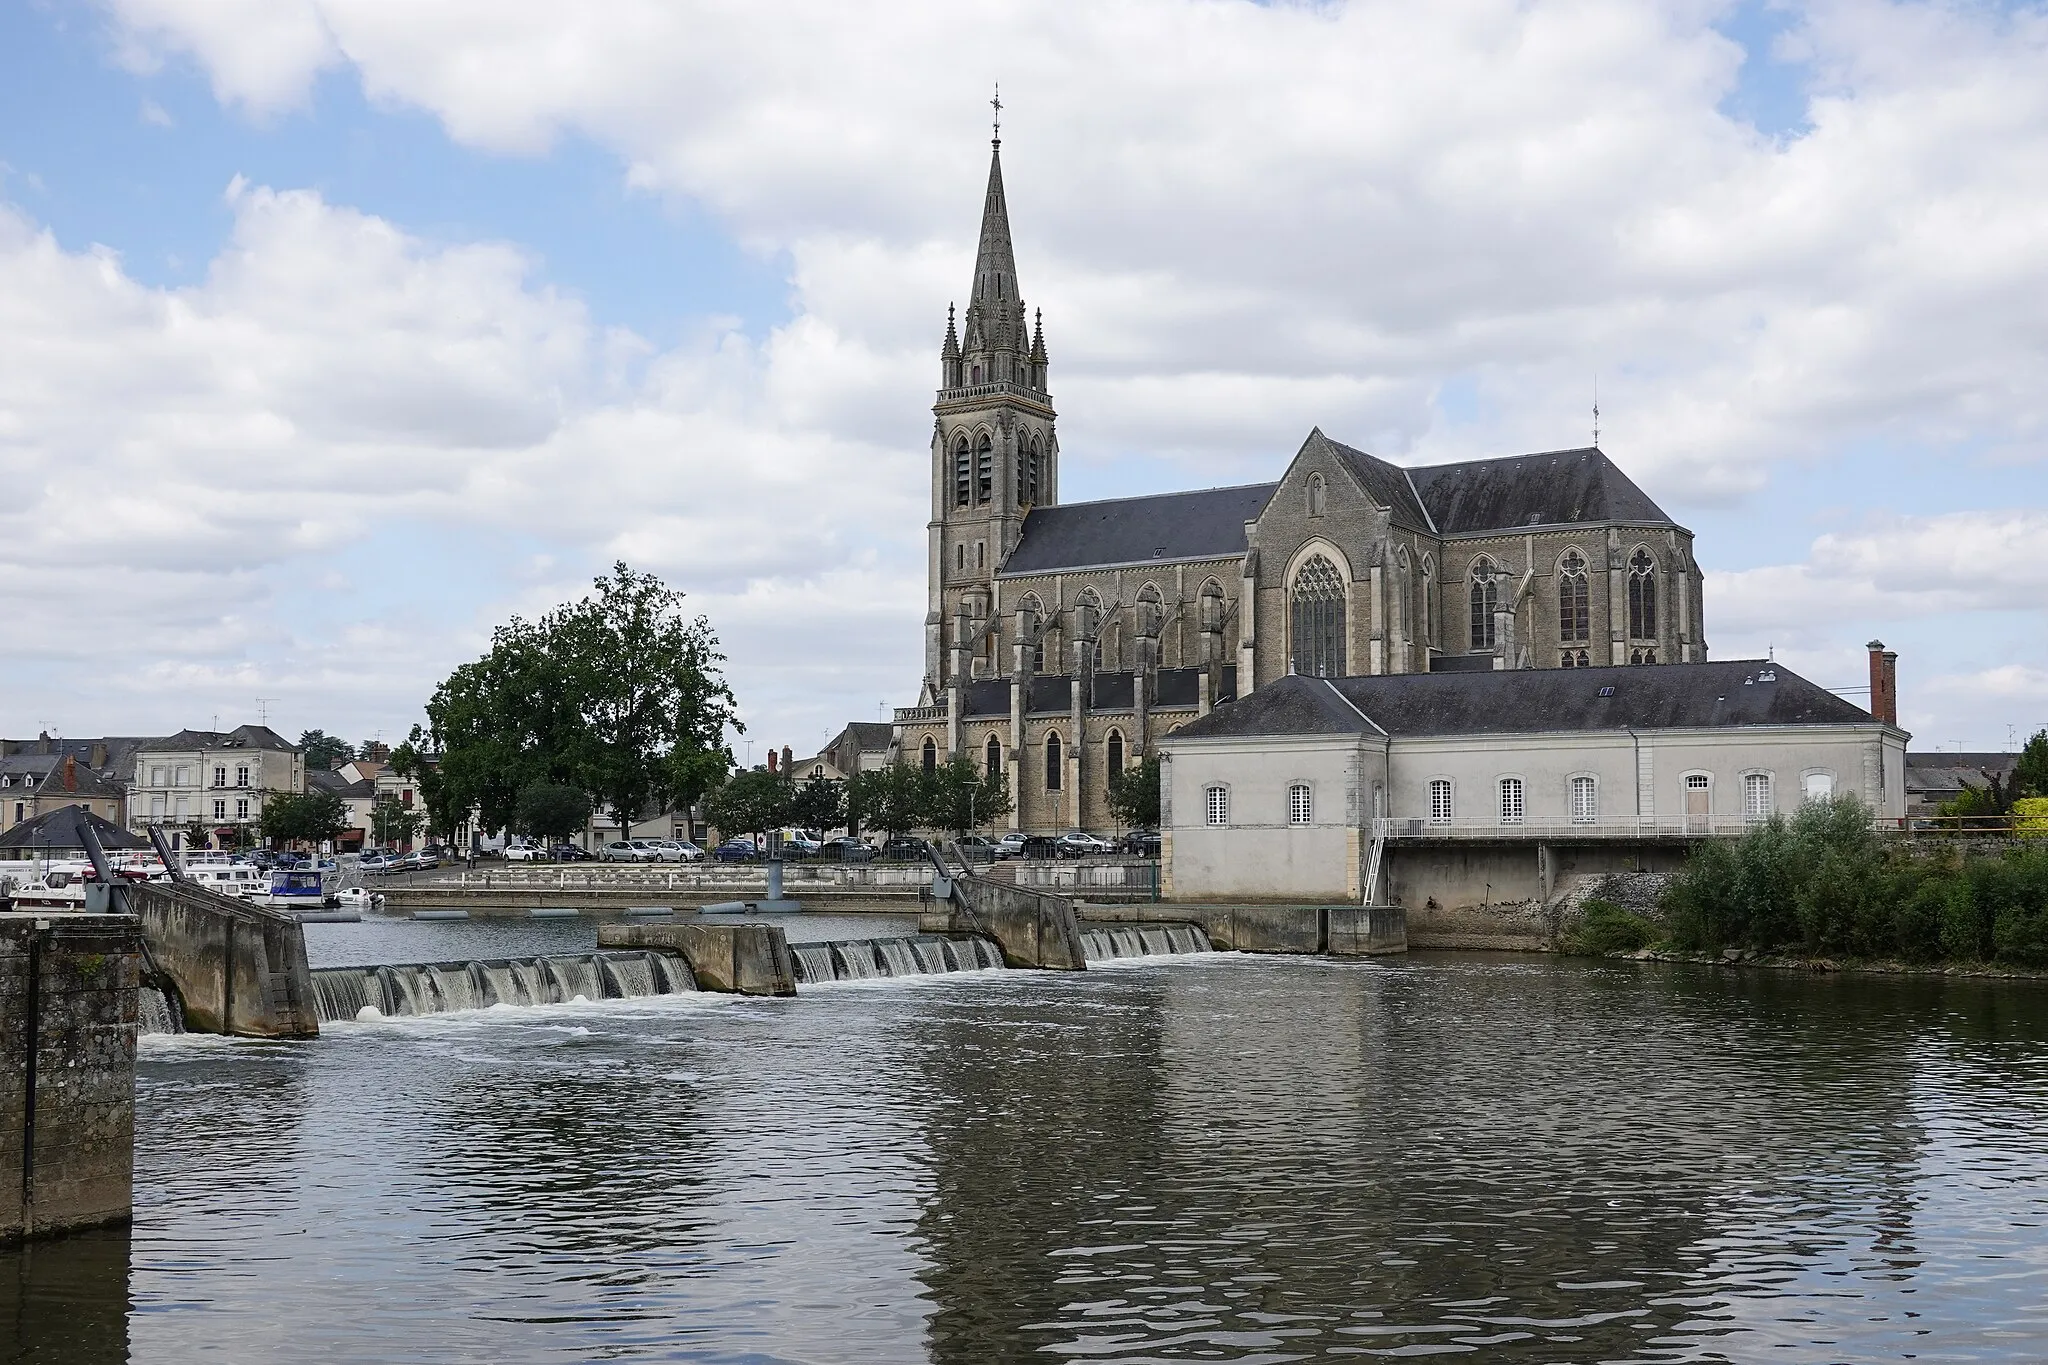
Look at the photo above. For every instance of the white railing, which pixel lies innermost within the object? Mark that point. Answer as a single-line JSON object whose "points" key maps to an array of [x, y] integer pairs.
{"points": [[1375, 854], [1634, 827]]}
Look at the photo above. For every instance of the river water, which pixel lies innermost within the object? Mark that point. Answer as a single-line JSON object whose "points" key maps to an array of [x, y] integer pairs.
{"points": [[1513, 1158]]}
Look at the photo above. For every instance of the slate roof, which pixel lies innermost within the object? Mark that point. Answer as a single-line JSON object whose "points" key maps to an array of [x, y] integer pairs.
{"points": [[1945, 775], [86, 783], [58, 829], [870, 735], [241, 737], [341, 786], [1205, 524], [1389, 484], [1537, 700], [1551, 488]]}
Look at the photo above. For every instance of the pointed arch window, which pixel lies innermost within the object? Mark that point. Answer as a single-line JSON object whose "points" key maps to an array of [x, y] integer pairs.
{"points": [[962, 473], [985, 469], [1642, 596], [1574, 600], [1317, 617], [1115, 749], [993, 754], [1485, 600], [1055, 762], [1428, 601], [931, 754]]}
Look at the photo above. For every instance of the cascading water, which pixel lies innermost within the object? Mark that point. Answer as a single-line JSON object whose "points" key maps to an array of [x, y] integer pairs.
{"points": [[154, 1012], [344, 993], [1111, 943], [862, 959]]}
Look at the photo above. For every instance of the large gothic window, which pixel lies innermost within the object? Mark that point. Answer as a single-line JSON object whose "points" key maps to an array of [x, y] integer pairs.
{"points": [[1055, 764], [1116, 752], [1574, 609], [1317, 617], [1642, 596], [1485, 600], [985, 470], [1028, 459], [994, 755], [962, 473], [931, 754]]}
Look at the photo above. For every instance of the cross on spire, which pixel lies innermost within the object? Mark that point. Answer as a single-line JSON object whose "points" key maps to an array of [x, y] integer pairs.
{"points": [[997, 105]]}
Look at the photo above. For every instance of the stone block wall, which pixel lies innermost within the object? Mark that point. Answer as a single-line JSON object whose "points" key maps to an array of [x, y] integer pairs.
{"points": [[67, 1071]]}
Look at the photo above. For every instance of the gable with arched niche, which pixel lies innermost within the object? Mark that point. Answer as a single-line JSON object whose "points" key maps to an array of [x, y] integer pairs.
{"points": [[1319, 624]]}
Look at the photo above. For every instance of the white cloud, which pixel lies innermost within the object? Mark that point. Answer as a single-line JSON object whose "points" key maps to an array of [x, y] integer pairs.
{"points": [[1241, 220]]}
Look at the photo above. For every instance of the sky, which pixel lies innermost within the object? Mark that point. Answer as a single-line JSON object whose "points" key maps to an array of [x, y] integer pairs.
{"points": [[335, 332]]}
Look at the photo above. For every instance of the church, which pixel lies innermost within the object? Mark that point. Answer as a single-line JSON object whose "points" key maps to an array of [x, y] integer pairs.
{"points": [[1064, 640]]}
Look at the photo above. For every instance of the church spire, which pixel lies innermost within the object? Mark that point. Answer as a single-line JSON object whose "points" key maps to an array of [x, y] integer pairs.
{"points": [[995, 262]]}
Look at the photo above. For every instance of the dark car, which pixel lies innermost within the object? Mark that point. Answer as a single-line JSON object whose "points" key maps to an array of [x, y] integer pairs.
{"points": [[846, 849], [1142, 843], [734, 851], [1036, 846], [289, 859], [570, 853], [903, 848]]}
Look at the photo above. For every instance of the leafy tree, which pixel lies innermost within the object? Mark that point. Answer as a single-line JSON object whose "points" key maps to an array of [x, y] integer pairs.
{"points": [[304, 817], [1134, 794], [198, 834], [551, 811], [961, 795], [892, 799], [445, 805], [818, 804], [750, 803], [392, 823], [325, 752], [617, 695], [2030, 774]]}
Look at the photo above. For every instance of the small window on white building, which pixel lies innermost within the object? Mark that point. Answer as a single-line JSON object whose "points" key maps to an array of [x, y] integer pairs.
{"points": [[242, 776], [242, 809], [220, 776], [1756, 796], [1511, 800], [1585, 800], [1819, 786], [1217, 803], [220, 810], [1301, 806], [1440, 801]]}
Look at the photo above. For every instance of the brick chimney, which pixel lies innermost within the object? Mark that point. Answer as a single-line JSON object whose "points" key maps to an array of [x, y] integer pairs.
{"points": [[771, 760], [70, 773], [1884, 683]]}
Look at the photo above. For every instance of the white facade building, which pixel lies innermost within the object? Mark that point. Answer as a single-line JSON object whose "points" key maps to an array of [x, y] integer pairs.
{"points": [[217, 778], [1449, 787]]}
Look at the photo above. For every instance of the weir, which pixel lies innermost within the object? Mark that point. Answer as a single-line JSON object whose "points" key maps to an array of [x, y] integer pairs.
{"points": [[1106, 943], [412, 989], [868, 959]]}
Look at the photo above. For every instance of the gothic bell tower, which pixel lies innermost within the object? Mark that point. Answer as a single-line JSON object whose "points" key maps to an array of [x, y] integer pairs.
{"points": [[994, 452]]}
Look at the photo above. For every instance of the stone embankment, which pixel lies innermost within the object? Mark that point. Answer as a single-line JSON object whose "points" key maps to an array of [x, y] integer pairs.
{"points": [[67, 1071]]}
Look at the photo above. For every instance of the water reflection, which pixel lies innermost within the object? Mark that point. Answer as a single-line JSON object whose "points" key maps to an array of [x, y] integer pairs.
{"points": [[1216, 1158]]}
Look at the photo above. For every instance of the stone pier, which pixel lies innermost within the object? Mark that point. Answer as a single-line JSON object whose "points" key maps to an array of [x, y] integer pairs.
{"points": [[67, 1070], [737, 959]]}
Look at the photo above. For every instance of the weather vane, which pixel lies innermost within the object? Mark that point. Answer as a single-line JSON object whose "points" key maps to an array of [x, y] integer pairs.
{"points": [[1596, 409], [997, 105]]}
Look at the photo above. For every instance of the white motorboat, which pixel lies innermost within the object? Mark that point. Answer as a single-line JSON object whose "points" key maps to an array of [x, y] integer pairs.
{"points": [[357, 898], [56, 889]]}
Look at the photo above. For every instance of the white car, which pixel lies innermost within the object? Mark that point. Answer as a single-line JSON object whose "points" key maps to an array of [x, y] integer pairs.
{"points": [[524, 853], [627, 851], [685, 851]]}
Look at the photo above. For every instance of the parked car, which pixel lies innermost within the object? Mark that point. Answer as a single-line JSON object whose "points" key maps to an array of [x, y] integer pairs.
{"points": [[572, 853], [685, 851], [1009, 846], [847, 849], [734, 851], [419, 860], [379, 862], [524, 853], [1078, 844], [978, 848], [1142, 843], [1036, 846], [904, 848], [627, 851]]}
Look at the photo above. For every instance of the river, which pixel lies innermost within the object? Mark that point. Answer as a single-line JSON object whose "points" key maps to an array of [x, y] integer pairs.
{"points": [[1514, 1158]]}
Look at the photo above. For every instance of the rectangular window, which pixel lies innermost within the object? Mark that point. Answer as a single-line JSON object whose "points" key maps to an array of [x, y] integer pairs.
{"points": [[1756, 796], [159, 776], [242, 776], [1585, 801], [242, 809], [1511, 800], [1218, 801], [156, 807], [405, 797], [1819, 786], [220, 777], [1300, 804], [220, 810], [1440, 801], [184, 775], [183, 809]]}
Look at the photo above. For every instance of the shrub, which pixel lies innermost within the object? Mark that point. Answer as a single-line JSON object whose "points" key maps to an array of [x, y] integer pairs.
{"points": [[1605, 927]]}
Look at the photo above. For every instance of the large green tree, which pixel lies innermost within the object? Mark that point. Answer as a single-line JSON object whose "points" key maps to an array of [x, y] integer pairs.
{"points": [[551, 811], [392, 822], [818, 804], [892, 799], [749, 803], [618, 695], [2030, 774], [1134, 793], [304, 817], [961, 795], [325, 752]]}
